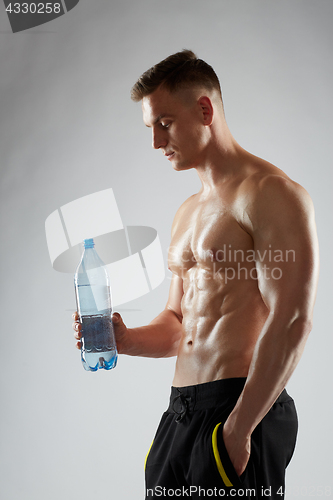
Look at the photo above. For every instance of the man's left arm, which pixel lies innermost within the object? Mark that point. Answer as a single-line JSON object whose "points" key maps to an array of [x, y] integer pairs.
{"points": [[280, 219]]}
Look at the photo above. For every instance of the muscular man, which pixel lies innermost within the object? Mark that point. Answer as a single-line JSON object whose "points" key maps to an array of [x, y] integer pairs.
{"points": [[244, 258]]}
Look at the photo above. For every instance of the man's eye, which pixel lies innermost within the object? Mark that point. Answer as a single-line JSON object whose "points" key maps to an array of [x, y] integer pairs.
{"points": [[165, 125]]}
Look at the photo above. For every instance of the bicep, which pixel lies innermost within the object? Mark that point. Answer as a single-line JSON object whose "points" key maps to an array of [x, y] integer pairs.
{"points": [[175, 296], [286, 249]]}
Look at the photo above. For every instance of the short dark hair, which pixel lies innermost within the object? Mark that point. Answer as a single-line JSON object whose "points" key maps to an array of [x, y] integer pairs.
{"points": [[177, 71]]}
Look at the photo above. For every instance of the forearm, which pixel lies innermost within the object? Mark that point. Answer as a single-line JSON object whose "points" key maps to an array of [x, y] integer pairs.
{"points": [[157, 340], [275, 357]]}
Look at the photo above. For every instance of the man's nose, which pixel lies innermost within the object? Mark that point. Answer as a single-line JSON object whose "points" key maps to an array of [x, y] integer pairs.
{"points": [[159, 140]]}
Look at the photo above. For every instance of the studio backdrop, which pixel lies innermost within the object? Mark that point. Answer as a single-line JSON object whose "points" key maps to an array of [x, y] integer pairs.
{"points": [[70, 132]]}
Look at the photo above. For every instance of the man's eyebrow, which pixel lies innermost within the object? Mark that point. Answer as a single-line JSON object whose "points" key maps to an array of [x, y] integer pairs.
{"points": [[163, 115]]}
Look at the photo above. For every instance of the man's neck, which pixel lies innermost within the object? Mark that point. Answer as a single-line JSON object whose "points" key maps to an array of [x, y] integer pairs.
{"points": [[223, 161]]}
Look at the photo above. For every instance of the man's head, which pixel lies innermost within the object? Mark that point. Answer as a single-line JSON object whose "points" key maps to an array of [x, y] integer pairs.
{"points": [[182, 70], [182, 104]]}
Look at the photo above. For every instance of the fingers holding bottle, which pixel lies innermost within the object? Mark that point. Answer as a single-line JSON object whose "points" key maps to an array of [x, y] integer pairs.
{"points": [[77, 329], [120, 330]]}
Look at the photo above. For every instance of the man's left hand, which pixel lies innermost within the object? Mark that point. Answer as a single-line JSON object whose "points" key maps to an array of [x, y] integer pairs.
{"points": [[238, 448]]}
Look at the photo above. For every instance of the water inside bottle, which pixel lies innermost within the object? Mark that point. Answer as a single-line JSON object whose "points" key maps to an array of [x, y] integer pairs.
{"points": [[98, 343]]}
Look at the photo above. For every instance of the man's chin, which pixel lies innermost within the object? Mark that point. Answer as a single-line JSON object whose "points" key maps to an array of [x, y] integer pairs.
{"points": [[179, 166]]}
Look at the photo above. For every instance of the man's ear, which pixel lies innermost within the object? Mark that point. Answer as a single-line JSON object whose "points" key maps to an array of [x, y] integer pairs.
{"points": [[207, 110]]}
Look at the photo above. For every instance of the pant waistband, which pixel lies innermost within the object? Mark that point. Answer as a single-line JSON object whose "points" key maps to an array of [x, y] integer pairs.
{"points": [[208, 395]]}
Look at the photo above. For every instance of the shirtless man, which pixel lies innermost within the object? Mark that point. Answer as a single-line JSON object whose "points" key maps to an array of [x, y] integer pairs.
{"points": [[244, 258]]}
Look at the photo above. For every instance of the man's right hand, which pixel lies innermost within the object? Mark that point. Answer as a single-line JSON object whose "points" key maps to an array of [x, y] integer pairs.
{"points": [[77, 329], [120, 330]]}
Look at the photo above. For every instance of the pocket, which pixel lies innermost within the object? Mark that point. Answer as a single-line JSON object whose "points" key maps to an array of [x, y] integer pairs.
{"points": [[224, 465]]}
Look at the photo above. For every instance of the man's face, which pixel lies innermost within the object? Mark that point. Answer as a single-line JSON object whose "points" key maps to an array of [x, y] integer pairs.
{"points": [[177, 127]]}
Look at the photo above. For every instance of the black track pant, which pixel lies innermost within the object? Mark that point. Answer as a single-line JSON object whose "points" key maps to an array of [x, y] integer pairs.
{"points": [[188, 458]]}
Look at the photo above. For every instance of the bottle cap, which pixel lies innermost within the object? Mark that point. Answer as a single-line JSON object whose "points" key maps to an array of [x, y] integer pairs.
{"points": [[89, 243]]}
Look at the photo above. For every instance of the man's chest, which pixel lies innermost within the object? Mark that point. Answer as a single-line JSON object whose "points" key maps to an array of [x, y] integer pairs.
{"points": [[208, 234]]}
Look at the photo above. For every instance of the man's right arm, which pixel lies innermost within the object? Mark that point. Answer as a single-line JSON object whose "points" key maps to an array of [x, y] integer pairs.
{"points": [[159, 339]]}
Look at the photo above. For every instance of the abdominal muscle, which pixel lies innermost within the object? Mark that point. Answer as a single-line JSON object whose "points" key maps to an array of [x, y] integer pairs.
{"points": [[221, 324]]}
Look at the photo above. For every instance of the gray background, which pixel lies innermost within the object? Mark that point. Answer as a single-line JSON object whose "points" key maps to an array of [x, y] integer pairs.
{"points": [[68, 128]]}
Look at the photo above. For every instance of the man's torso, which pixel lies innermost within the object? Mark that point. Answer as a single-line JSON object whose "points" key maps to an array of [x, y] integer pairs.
{"points": [[211, 250]]}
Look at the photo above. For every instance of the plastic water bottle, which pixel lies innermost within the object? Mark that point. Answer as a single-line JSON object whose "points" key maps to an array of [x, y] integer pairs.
{"points": [[93, 299]]}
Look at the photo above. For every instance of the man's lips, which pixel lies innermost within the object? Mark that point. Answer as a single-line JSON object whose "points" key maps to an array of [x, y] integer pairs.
{"points": [[169, 155]]}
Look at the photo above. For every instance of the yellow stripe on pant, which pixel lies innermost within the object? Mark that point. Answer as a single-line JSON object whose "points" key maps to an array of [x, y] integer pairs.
{"points": [[217, 457], [148, 454]]}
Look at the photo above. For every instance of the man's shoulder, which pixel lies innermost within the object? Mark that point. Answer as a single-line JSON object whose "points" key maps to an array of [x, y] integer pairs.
{"points": [[264, 181], [273, 197], [272, 187], [267, 191]]}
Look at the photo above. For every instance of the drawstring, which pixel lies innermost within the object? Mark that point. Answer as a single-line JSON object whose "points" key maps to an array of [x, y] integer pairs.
{"points": [[184, 401]]}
